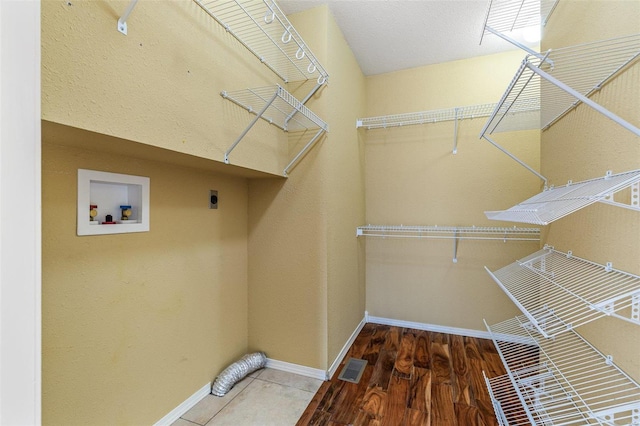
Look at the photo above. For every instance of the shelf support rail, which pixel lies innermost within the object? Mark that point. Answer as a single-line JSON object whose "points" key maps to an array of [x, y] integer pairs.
{"points": [[634, 201], [455, 130], [303, 151], [122, 21], [516, 159], [246, 130]]}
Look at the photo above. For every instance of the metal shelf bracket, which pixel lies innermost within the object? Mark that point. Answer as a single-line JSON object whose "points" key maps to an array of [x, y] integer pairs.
{"points": [[277, 107], [122, 21]]}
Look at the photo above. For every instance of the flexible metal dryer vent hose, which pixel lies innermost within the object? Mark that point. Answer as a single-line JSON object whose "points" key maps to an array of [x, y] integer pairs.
{"points": [[238, 371]]}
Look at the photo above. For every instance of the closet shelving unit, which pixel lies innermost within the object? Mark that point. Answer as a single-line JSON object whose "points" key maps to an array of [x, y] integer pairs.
{"points": [[559, 381], [525, 108], [558, 292], [577, 73], [554, 376], [455, 233], [564, 78], [505, 16], [278, 107], [555, 203], [264, 30]]}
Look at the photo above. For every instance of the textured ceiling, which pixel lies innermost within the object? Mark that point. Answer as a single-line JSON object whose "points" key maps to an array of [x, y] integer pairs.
{"points": [[391, 35]]}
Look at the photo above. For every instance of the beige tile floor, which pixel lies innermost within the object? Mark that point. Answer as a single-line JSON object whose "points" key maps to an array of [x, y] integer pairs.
{"points": [[266, 397]]}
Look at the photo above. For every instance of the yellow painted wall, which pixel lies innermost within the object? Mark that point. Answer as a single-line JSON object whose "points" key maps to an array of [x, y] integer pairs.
{"points": [[148, 103], [305, 283], [584, 145], [412, 178], [160, 84], [345, 194], [134, 324]]}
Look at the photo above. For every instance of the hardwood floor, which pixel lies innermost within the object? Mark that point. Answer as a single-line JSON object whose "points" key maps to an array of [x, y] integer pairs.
{"points": [[412, 377]]}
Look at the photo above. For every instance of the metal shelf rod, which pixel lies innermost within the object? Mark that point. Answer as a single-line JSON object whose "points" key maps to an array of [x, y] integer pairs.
{"points": [[454, 233]]}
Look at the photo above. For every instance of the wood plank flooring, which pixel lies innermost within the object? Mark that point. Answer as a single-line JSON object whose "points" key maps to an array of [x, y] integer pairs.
{"points": [[412, 377]]}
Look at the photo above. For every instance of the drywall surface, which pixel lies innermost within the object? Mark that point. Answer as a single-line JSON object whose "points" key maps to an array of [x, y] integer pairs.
{"points": [[134, 324], [288, 247], [306, 278], [413, 178], [584, 145], [160, 84], [345, 194]]}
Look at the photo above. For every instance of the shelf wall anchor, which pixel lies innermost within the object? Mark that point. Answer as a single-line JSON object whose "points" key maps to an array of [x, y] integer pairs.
{"points": [[122, 22]]}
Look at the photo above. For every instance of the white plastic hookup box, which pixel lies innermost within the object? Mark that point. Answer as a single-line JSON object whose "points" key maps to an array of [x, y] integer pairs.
{"points": [[107, 193]]}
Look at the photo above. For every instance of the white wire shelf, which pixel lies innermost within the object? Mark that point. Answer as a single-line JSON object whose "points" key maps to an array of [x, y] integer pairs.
{"points": [[555, 203], [280, 108], [575, 74], [559, 381], [455, 233], [505, 16], [426, 117], [262, 28], [558, 292], [527, 110]]}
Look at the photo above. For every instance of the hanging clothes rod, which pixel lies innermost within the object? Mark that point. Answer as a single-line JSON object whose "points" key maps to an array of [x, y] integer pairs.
{"points": [[557, 202], [455, 233], [558, 292], [263, 29], [559, 381]]}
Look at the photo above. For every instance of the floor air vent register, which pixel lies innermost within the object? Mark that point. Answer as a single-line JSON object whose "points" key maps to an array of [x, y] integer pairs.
{"points": [[352, 371]]}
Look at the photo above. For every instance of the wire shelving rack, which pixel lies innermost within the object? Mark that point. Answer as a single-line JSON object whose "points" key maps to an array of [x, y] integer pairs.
{"points": [[559, 381], [280, 108], [527, 110], [555, 203], [455, 233], [577, 73], [263, 29], [505, 16], [558, 292]]}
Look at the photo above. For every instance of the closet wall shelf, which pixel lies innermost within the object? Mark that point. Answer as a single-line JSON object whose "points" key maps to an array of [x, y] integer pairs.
{"points": [[555, 203], [504, 17], [262, 28], [559, 381], [527, 110], [558, 292], [577, 72], [280, 108], [455, 233]]}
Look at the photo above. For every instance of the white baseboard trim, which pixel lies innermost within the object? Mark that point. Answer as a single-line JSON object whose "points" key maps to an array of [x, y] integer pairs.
{"points": [[345, 348], [302, 370], [185, 406], [429, 327]]}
